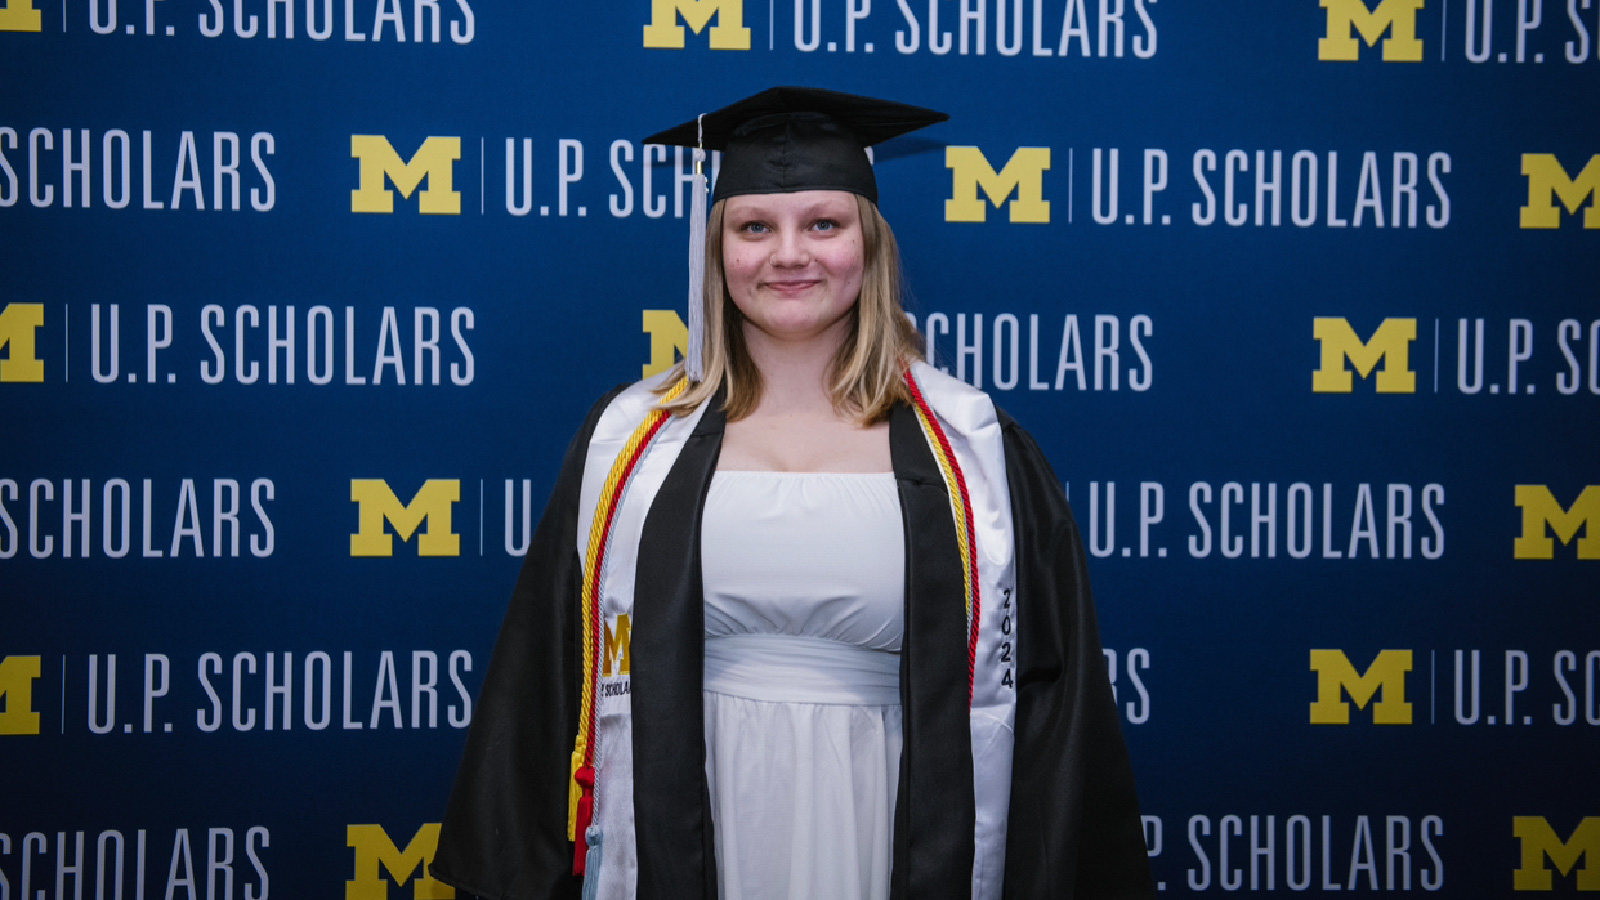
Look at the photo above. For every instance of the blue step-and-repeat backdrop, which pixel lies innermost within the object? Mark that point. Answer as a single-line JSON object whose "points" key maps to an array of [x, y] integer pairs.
{"points": [[301, 301]]}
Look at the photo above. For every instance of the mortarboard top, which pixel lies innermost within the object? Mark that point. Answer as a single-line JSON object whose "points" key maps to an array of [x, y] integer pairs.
{"points": [[788, 139]]}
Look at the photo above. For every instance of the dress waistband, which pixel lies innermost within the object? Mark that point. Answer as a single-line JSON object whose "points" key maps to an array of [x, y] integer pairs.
{"points": [[794, 669]]}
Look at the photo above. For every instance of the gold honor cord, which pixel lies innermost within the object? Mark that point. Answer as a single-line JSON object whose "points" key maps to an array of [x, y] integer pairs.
{"points": [[580, 788], [961, 511]]}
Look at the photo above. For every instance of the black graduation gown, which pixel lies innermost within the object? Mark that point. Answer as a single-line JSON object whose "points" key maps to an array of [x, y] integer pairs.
{"points": [[1074, 829]]}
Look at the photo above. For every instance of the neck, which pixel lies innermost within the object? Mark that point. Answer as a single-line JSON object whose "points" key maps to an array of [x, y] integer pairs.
{"points": [[794, 373]]}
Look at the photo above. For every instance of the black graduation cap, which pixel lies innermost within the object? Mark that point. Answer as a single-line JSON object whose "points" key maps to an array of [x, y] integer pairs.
{"points": [[788, 139]]}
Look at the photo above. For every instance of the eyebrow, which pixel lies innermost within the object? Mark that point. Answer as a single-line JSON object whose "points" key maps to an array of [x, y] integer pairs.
{"points": [[827, 208]]}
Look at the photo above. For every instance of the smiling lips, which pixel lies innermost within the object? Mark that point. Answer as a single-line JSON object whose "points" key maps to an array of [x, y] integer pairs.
{"points": [[791, 285]]}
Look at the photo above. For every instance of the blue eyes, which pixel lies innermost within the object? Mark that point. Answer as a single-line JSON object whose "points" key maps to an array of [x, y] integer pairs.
{"points": [[824, 225]]}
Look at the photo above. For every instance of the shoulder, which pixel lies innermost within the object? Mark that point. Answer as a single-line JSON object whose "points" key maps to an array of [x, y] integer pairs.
{"points": [[624, 407], [1031, 481], [935, 382], [615, 408], [572, 461], [959, 405], [619, 410], [970, 411], [1037, 494], [1021, 446]]}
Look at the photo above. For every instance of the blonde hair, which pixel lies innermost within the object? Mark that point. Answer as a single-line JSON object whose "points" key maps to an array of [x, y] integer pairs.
{"points": [[865, 378]]}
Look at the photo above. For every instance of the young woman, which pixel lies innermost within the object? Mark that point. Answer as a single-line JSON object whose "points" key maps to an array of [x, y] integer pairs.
{"points": [[805, 617]]}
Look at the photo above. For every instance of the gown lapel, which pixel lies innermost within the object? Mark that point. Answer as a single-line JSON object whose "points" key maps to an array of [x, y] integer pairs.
{"points": [[934, 813], [672, 808]]}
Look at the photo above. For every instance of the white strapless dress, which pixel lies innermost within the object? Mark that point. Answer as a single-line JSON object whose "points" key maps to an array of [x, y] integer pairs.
{"points": [[804, 577]]}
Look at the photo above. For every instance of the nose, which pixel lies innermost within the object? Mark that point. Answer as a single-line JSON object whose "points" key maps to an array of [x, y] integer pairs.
{"points": [[790, 250]]}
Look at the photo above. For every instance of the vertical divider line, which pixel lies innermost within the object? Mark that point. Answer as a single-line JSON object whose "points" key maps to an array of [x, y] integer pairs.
{"points": [[480, 516], [1069, 185], [483, 167], [1444, 27], [66, 345], [1436, 356], [63, 693]]}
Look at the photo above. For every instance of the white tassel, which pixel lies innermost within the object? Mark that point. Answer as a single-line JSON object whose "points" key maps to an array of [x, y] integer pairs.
{"points": [[694, 359]]}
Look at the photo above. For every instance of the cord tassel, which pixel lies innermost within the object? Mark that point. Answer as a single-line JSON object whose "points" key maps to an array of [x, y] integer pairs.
{"points": [[585, 817], [694, 358]]}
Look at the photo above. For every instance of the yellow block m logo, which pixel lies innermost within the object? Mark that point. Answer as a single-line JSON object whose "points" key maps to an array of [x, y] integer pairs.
{"points": [[20, 15], [1547, 181], [619, 636], [1398, 17], [19, 328], [1539, 840], [373, 849], [668, 337], [1335, 674], [1540, 510], [1390, 343], [665, 32], [433, 503], [17, 674], [1023, 173], [434, 160]]}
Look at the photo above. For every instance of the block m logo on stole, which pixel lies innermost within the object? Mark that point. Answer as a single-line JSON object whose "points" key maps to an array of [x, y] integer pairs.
{"points": [[728, 34], [1391, 343], [1386, 677], [1348, 18], [433, 503], [618, 638], [1540, 841], [435, 160], [1541, 512], [374, 851]]}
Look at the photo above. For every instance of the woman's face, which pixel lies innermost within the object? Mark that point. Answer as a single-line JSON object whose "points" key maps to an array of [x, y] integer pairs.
{"points": [[793, 262]]}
